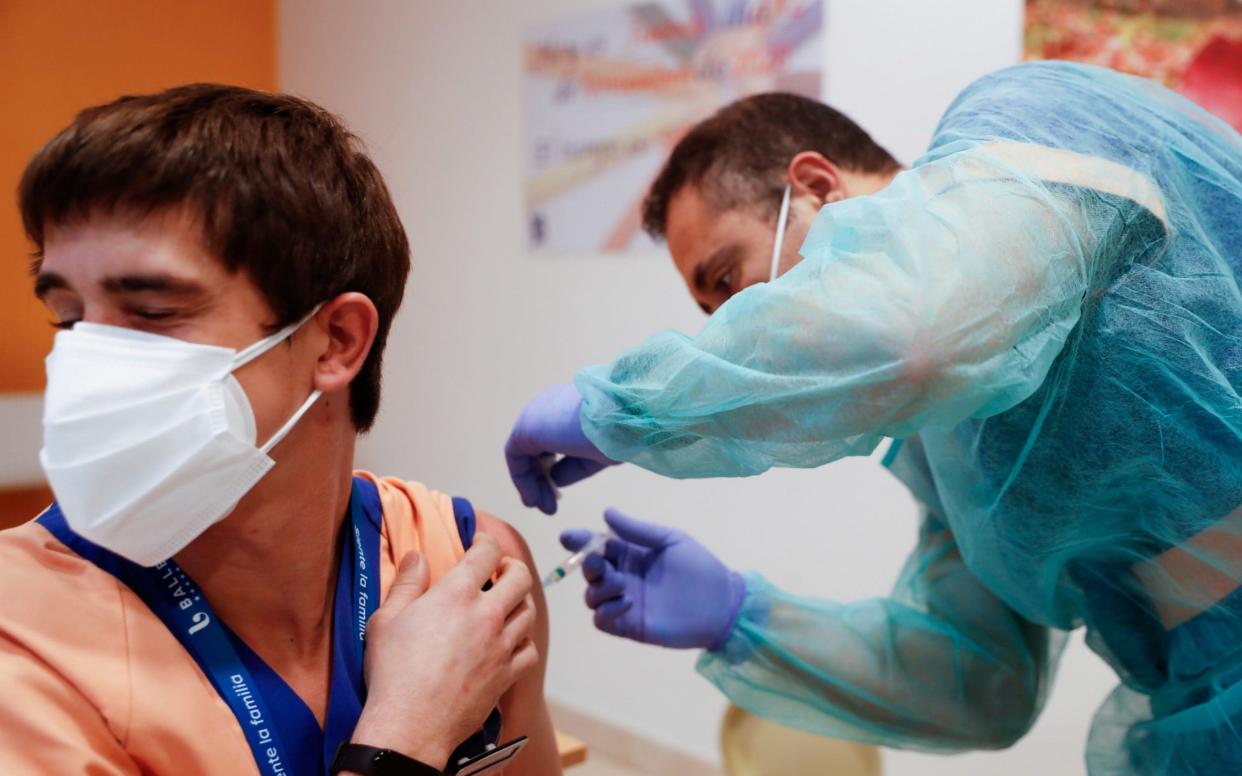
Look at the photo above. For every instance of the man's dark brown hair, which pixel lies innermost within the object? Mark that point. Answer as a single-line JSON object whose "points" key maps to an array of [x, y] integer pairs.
{"points": [[738, 156], [284, 192]]}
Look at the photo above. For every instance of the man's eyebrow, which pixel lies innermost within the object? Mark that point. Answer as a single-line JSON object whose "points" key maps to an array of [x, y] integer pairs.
{"points": [[708, 266], [168, 284], [48, 281]]}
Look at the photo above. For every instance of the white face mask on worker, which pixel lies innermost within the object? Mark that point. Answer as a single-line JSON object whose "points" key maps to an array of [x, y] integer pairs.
{"points": [[149, 440]]}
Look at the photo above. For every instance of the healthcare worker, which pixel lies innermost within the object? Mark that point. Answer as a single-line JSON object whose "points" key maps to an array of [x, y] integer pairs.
{"points": [[1045, 314]]}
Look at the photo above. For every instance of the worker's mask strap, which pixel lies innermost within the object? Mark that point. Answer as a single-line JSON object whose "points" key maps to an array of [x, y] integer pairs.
{"points": [[781, 220]]}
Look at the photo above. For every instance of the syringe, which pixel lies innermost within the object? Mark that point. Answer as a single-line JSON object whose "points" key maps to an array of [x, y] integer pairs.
{"points": [[575, 561]]}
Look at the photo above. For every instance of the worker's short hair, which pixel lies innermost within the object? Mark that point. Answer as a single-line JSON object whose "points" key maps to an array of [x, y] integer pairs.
{"points": [[282, 189], [738, 156]]}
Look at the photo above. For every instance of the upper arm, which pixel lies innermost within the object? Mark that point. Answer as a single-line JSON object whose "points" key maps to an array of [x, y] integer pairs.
{"points": [[47, 726], [957, 286], [523, 707]]}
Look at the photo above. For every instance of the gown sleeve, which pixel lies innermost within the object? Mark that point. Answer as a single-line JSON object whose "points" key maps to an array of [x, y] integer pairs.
{"points": [[939, 665], [946, 295]]}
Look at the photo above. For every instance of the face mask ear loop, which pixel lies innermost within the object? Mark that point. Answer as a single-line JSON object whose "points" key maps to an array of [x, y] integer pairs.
{"points": [[250, 353], [780, 234], [284, 430]]}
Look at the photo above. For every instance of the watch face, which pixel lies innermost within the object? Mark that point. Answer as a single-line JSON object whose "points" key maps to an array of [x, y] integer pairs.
{"points": [[491, 761]]}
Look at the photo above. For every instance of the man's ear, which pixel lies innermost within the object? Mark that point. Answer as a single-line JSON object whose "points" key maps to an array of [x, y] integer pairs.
{"points": [[811, 173], [350, 322]]}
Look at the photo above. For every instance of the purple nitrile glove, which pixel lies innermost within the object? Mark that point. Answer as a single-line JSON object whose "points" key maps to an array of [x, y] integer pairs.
{"points": [[658, 585], [548, 426]]}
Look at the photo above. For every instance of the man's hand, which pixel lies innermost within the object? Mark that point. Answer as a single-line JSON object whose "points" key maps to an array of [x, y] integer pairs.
{"points": [[439, 659], [551, 425], [658, 585]]}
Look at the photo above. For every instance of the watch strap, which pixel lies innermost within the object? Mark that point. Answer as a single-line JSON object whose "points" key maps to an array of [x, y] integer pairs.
{"points": [[373, 761]]}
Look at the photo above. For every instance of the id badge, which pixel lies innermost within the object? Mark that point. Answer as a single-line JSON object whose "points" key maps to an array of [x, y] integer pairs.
{"points": [[492, 761]]}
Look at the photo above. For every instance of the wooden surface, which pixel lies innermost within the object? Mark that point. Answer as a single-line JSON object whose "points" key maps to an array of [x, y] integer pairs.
{"points": [[573, 752], [18, 505]]}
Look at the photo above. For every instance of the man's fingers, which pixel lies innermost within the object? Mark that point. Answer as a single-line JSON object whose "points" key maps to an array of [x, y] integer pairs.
{"points": [[520, 625], [609, 617], [547, 496], [640, 532], [512, 586], [527, 604], [576, 538], [480, 562], [594, 568], [571, 469], [615, 551], [526, 474], [611, 610], [610, 587], [525, 658], [410, 583]]}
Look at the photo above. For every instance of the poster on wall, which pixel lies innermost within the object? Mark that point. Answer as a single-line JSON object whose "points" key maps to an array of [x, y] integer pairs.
{"points": [[1192, 46], [609, 94]]}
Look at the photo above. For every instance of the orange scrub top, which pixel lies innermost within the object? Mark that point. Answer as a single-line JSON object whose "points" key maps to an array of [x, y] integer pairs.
{"points": [[93, 682]]}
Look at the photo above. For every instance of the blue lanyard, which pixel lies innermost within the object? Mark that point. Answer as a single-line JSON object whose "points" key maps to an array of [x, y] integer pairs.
{"points": [[283, 735]]}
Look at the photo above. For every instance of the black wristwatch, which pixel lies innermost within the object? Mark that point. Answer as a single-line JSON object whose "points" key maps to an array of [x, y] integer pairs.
{"points": [[372, 761]]}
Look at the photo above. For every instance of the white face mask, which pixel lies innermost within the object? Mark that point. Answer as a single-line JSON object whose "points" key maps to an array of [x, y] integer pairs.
{"points": [[149, 440], [780, 236]]}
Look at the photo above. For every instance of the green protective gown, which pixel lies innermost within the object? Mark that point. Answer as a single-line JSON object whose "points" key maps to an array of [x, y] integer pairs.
{"points": [[1045, 312]]}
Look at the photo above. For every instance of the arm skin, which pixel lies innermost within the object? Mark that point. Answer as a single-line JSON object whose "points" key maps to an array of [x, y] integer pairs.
{"points": [[523, 707]]}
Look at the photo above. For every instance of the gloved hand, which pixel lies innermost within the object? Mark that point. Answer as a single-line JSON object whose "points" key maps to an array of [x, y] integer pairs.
{"points": [[551, 424], [658, 585]]}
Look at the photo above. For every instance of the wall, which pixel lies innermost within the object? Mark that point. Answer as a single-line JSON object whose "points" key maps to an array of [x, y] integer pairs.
{"points": [[435, 89], [55, 59]]}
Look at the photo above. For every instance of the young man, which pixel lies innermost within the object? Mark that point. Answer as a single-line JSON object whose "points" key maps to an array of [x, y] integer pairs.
{"points": [[225, 265]]}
